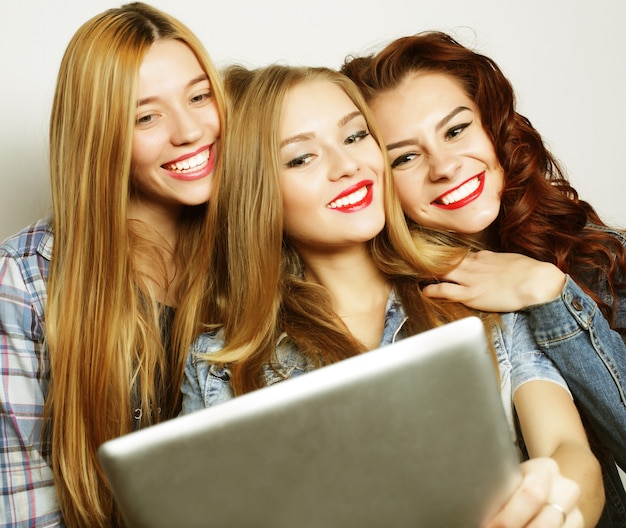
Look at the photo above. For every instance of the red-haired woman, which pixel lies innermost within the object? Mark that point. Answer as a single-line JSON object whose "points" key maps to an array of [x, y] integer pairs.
{"points": [[466, 162]]}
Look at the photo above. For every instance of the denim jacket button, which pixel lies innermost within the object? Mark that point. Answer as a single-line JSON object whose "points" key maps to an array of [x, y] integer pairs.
{"points": [[577, 304]]}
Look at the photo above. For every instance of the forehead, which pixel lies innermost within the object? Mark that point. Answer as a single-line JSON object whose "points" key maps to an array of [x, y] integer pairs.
{"points": [[313, 104], [168, 63], [422, 91], [419, 102]]}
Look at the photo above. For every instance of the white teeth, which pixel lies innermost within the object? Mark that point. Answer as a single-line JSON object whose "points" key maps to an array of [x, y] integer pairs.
{"points": [[190, 163], [351, 199], [462, 192]]}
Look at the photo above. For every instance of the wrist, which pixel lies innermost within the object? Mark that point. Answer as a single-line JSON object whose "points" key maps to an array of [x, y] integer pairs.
{"points": [[545, 286]]}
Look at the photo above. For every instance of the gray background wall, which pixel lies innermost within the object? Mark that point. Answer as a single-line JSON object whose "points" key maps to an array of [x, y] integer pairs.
{"points": [[565, 58]]}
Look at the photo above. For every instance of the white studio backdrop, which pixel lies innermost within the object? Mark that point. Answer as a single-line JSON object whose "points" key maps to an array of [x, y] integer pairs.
{"points": [[564, 57]]}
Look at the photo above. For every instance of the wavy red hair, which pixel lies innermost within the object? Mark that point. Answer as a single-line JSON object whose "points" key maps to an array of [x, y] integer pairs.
{"points": [[541, 214]]}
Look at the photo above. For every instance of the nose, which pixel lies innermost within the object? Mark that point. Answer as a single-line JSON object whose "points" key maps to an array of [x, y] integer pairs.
{"points": [[186, 127], [343, 163], [443, 165]]}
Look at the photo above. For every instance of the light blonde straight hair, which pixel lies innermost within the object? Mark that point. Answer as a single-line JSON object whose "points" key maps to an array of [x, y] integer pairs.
{"points": [[257, 288], [105, 328]]}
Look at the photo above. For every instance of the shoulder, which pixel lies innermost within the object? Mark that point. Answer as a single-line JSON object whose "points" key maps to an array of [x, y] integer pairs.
{"points": [[208, 383], [514, 330], [24, 267], [207, 343], [205, 383], [36, 239], [199, 358], [289, 361], [520, 347], [25, 260], [615, 233]]}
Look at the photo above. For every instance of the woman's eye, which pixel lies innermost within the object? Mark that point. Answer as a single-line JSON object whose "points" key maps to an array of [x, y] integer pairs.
{"points": [[300, 161], [202, 97], [455, 131], [405, 158], [358, 136], [145, 119]]}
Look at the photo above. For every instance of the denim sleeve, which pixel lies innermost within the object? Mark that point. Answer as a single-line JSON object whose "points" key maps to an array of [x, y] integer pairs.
{"points": [[528, 362], [574, 334]]}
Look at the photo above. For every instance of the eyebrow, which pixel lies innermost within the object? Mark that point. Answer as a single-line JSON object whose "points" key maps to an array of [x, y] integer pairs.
{"points": [[447, 118], [200, 78], [438, 127], [304, 136]]}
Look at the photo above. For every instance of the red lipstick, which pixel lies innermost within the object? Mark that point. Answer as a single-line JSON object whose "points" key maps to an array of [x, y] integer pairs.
{"points": [[354, 198], [474, 186]]}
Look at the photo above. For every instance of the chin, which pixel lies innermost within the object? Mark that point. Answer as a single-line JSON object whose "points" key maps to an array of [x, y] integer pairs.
{"points": [[480, 221], [197, 199]]}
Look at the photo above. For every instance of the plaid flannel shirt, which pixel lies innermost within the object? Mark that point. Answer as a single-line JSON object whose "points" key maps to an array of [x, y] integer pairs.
{"points": [[27, 493]]}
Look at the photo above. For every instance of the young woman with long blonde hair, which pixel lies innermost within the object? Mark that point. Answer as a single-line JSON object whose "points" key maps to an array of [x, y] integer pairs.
{"points": [[91, 344]]}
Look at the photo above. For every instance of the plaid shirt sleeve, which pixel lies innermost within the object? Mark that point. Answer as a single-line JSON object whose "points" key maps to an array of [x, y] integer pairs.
{"points": [[27, 493]]}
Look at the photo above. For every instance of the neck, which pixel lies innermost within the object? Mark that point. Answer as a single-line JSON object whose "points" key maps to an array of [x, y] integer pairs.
{"points": [[162, 219], [359, 291], [482, 239], [155, 257]]}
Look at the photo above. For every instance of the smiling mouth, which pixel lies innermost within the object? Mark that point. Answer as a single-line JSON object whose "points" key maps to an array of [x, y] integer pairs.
{"points": [[353, 201], [465, 193], [190, 164]]}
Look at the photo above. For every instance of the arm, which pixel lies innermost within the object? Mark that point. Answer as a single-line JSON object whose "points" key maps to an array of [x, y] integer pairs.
{"points": [[28, 495], [574, 334], [567, 325], [499, 282], [551, 427], [562, 469]]}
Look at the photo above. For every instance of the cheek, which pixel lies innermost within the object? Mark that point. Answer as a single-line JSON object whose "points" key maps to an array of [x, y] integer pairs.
{"points": [[412, 199], [499, 179], [408, 190], [487, 147], [372, 157], [377, 160], [295, 204], [137, 167], [143, 151], [296, 221], [212, 119], [136, 151], [287, 211]]}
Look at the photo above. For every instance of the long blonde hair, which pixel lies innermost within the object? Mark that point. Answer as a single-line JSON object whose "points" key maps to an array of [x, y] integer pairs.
{"points": [[258, 290], [103, 321]]}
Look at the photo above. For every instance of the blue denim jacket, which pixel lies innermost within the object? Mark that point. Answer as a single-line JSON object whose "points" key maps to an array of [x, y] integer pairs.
{"points": [[206, 384], [574, 334], [572, 331]]}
